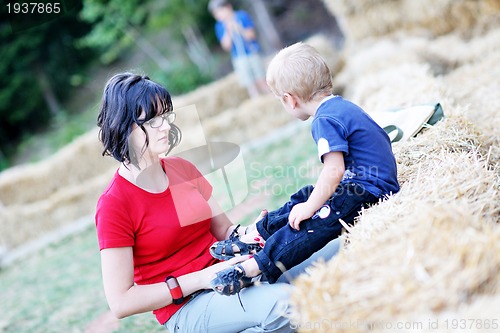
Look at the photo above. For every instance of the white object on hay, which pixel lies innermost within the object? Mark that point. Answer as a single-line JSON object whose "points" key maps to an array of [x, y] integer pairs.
{"points": [[402, 124]]}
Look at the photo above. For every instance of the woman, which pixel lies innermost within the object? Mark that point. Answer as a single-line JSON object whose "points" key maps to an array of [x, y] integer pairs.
{"points": [[156, 221]]}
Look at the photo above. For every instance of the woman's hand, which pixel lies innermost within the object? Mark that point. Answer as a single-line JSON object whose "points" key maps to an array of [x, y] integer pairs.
{"points": [[250, 234]]}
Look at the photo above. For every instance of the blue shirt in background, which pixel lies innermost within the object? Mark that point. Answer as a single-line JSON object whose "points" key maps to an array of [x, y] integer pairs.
{"points": [[240, 46]]}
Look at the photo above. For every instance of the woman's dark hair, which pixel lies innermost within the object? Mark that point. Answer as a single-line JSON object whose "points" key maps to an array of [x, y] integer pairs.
{"points": [[126, 96]]}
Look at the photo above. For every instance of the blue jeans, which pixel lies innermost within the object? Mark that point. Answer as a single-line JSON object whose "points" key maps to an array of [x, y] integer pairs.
{"points": [[287, 247], [266, 305], [265, 310]]}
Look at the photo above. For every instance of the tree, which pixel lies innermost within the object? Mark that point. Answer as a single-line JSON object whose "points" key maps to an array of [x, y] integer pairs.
{"points": [[39, 60], [113, 25], [118, 25]]}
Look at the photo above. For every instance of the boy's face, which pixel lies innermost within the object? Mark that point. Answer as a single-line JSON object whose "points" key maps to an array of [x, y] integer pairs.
{"points": [[222, 13]]}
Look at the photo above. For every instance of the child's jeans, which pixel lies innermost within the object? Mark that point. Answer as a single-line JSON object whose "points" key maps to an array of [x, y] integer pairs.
{"points": [[286, 247]]}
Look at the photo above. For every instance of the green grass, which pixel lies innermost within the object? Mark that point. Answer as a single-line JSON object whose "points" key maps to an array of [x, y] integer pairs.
{"points": [[280, 168], [55, 290], [59, 289]]}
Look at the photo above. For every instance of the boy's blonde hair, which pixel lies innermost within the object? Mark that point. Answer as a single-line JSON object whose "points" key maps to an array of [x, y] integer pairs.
{"points": [[301, 71]]}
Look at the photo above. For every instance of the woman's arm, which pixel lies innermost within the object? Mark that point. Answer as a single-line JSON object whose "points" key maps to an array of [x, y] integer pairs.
{"points": [[221, 226], [123, 296], [126, 298]]}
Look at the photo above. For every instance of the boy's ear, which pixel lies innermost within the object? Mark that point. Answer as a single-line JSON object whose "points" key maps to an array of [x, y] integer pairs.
{"points": [[290, 100]]}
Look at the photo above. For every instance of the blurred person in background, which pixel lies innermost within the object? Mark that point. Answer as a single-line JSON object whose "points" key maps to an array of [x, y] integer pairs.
{"points": [[236, 33]]}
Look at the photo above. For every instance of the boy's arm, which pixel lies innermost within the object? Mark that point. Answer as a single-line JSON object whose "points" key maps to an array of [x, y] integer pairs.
{"points": [[232, 27], [328, 180], [248, 33], [227, 40]]}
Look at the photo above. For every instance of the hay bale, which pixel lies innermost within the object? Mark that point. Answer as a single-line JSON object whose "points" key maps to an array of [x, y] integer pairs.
{"points": [[370, 18], [23, 222], [430, 249], [430, 252], [39, 197], [250, 120], [214, 97], [402, 274], [478, 314], [333, 58], [390, 73], [394, 72], [70, 166], [475, 84], [457, 51]]}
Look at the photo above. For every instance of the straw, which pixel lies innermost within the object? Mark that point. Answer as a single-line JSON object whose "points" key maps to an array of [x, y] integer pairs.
{"points": [[430, 252]]}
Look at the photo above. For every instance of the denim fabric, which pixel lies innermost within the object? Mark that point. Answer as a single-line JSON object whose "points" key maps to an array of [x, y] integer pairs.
{"points": [[286, 247], [326, 253], [266, 309], [266, 306]]}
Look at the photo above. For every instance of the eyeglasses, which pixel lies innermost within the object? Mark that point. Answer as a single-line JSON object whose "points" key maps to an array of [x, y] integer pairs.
{"points": [[158, 120]]}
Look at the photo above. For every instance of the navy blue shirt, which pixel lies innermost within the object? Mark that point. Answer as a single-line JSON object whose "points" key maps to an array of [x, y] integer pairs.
{"points": [[342, 126]]}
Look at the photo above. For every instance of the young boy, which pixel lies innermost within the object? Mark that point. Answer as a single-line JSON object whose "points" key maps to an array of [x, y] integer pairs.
{"points": [[359, 169], [236, 33]]}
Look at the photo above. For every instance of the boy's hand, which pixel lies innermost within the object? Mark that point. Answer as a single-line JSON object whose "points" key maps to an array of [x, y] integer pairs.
{"points": [[299, 213], [209, 272], [232, 25]]}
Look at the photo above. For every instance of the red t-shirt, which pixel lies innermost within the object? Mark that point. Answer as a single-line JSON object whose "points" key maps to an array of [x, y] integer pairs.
{"points": [[169, 231]]}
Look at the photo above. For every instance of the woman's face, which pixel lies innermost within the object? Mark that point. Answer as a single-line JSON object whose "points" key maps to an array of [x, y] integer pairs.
{"points": [[157, 130]]}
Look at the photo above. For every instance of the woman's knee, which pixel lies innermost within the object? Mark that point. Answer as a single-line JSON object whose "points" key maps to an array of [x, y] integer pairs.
{"points": [[275, 298]]}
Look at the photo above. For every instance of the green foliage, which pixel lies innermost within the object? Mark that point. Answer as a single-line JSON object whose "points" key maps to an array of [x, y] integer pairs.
{"points": [[117, 25], [111, 21], [44, 59], [115, 22], [181, 78], [177, 15], [38, 59]]}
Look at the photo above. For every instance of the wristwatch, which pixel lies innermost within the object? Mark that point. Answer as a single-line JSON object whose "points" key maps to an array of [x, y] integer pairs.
{"points": [[175, 290]]}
